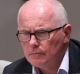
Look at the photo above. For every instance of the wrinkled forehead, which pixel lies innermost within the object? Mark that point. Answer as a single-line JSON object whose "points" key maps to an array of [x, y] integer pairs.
{"points": [[36, 10]]}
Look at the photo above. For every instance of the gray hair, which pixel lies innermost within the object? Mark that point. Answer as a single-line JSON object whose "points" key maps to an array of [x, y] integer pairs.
{"points": [[60, 12]]}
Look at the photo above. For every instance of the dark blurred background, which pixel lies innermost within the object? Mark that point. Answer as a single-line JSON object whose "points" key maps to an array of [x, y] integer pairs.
{"points": [[9, 47]]}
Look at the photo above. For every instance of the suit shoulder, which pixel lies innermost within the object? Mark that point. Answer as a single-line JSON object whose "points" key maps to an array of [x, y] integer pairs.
{"points": [[17, 66]]}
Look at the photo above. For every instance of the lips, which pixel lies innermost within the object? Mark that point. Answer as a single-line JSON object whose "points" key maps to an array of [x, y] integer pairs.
{"points": [[36, 53]]}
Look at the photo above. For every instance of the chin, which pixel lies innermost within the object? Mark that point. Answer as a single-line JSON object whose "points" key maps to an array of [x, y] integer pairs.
{"points": [[37, 62]]}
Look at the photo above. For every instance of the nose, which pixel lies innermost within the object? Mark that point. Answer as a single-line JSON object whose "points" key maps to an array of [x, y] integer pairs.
{"points": [[34, 42]]}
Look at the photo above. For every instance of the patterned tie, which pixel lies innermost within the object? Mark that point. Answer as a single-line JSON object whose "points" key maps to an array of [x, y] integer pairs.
{"points": [[62, 71]]}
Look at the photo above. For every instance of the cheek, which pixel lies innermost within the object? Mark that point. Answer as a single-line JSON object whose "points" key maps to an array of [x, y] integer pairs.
{"points": [[25, 47], [49, 50], [52, 46], [57, 40], [46, 46], [26, 50]]}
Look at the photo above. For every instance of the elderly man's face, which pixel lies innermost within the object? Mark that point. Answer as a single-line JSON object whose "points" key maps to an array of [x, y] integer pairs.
{"points": [[39, 19]]}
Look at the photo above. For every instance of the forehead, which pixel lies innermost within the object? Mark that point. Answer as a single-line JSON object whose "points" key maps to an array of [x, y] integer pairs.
{"points": [[36, 15]]}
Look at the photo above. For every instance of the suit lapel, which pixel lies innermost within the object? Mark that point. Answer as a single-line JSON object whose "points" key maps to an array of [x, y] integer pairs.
{"points": [[74, 58], [27, 68]]}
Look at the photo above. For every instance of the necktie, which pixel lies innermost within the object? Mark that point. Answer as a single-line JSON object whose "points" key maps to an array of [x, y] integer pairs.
{"points": [[62, 71]]}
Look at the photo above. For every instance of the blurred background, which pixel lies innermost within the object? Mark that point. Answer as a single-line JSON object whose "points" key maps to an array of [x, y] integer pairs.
{"points": [[9, 46]]}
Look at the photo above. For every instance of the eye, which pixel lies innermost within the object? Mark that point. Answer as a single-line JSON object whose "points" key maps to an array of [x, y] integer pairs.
{"points": [[41, 32], [42, 35]]}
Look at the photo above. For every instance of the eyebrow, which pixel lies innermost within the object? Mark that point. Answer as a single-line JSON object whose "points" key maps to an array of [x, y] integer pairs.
{"points": [[23, 31], [43, 29], [37, 30]]}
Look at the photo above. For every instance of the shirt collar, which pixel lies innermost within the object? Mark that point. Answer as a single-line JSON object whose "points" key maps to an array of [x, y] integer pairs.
{"points": [[64, 64]]}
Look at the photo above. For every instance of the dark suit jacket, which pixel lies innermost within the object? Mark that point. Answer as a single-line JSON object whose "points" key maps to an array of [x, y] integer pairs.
{"points": [[23, 67]]}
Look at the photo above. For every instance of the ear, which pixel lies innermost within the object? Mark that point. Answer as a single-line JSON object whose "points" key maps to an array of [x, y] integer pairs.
{"points": [[67, 32]]}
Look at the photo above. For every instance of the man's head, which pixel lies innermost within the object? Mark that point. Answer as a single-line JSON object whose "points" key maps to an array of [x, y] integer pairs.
{"points": [[42, 43]]}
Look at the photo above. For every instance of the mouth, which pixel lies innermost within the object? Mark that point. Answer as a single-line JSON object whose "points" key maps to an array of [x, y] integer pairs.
{"points": [[36, 54]]}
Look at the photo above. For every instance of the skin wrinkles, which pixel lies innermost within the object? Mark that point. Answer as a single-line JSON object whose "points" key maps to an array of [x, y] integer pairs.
{"points": [[46, 12], [46, 54]]}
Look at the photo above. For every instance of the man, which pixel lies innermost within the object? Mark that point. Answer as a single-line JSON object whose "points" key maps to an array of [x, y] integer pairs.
{"points": [[44, 34]]}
